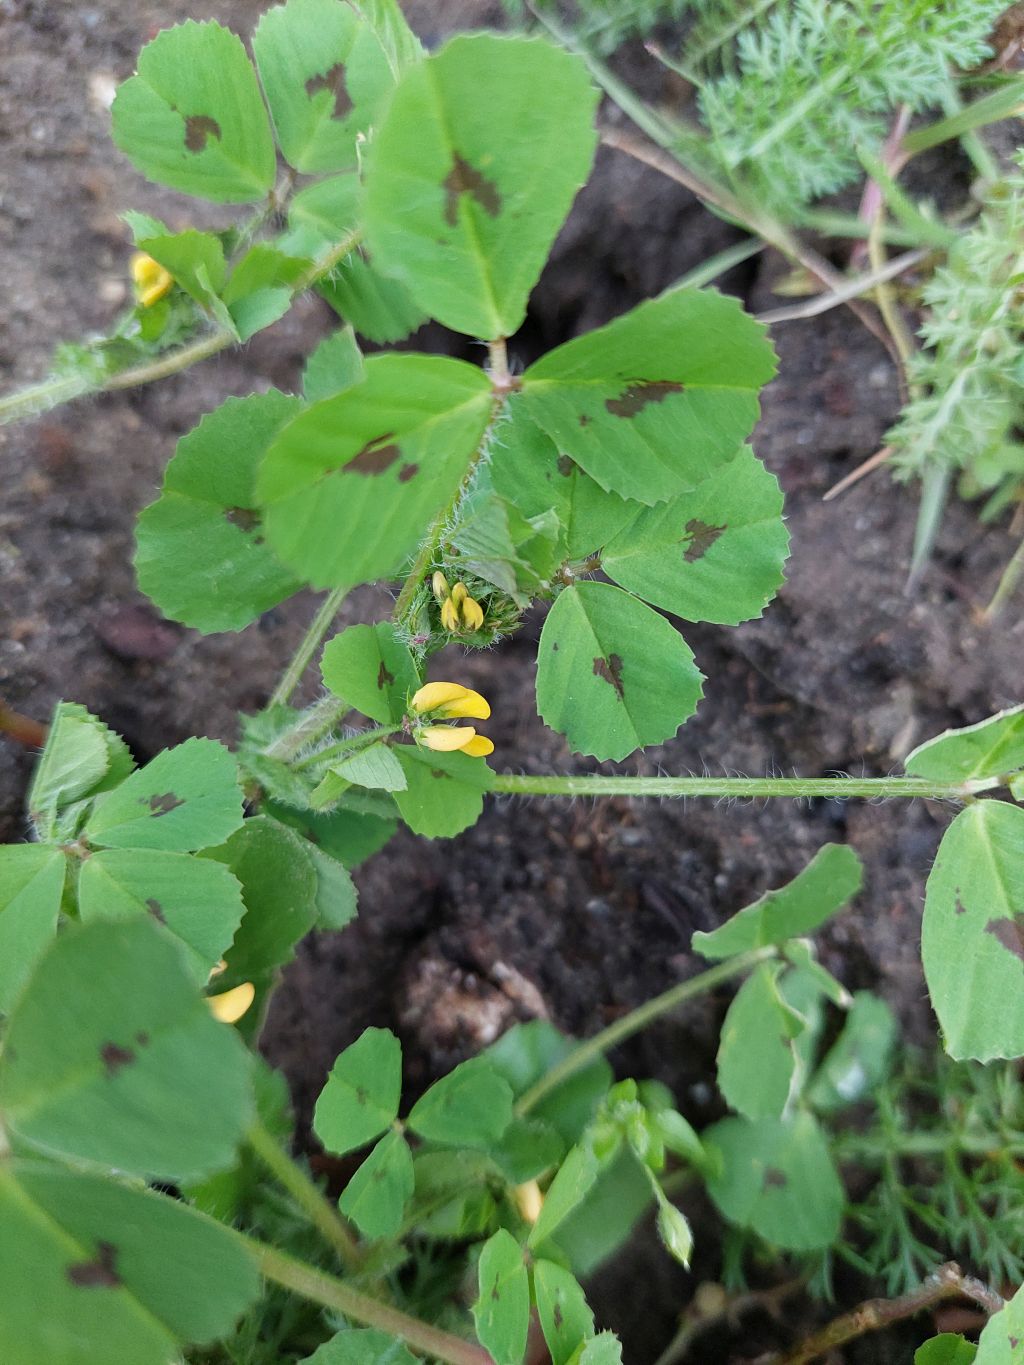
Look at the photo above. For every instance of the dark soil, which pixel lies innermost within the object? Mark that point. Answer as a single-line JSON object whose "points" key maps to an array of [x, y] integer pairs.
{"points": [[576, 911]]}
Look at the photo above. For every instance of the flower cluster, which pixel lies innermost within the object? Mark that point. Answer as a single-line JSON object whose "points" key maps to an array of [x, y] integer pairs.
{"points": [[460, 613], [444, 701]]}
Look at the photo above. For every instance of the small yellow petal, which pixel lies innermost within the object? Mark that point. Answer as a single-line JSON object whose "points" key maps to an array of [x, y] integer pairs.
{"points": [[439, 585], [229, 1006], [472, 614], [435, 694], [450, 615], [459, 594], [446, 739], [152, 281], [470, 706], [478, 747], [529, 1200]]}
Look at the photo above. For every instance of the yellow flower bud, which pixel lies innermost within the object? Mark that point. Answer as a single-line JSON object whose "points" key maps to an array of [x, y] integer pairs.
{"points": [[439, 586], [529, 1200], [450, 615], [152, 281], [472, 614], [459, 594], [229, 1006]]}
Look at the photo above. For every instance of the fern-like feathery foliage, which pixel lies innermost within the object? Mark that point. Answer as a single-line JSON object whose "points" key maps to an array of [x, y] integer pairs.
{"points": [[799, 85], [970, 373]]}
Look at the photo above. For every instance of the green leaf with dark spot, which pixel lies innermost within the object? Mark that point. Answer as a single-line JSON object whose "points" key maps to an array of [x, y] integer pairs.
{"points": [[756, 1058], [325, 76], [372, 670], [199, 902], [653, 403], [714, 554], [132, 1072], [279, 888], [202, 555], [565, 1318], [470, 1107], [502, 1310], [613, 675], [376, 1196], [361, 1346], [444, 793], [334, 365], [800, 907], [127, 1277], [188, 797], [777, 1178], [464, 197], [31, 885], [992, 748], [972, 934], [193, 118], [360, 1100], [388, 454]]}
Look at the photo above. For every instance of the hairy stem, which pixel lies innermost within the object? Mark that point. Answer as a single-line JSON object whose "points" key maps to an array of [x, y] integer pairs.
{"points": [[346, 747], [305, 1193], [502, 384], [948, 1282], [638, 1019], [333, 1293], [549, 784], [318, 628], [51, 393]]}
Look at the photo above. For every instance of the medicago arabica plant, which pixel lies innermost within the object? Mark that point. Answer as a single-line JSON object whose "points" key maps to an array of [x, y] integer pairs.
{"points": [[144, 925]]}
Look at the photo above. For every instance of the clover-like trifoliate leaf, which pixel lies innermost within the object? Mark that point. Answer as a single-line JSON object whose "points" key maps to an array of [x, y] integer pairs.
{"points": [[502, 1310]]}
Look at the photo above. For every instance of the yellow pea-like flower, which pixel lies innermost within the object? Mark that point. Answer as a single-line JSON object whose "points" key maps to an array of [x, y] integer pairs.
{"points": [[472, 614], [442, 701], [450, 615], [152, 281], [460, 613], [229, 1006]]}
